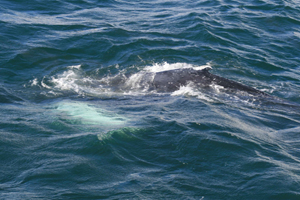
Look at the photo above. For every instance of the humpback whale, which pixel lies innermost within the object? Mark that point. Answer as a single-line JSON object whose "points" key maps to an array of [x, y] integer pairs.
{"points": [[172, 80]]}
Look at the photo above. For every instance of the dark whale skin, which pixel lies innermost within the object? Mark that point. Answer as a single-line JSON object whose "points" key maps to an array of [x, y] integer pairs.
{"points": [[171, 80]]}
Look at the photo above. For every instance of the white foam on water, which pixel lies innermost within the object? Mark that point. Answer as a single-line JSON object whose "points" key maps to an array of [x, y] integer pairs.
{"points": [[139, 83], [217, 88], [74, 80], [183, 90], [75, 67], [67, 81], [159, 67], [34, 82], [207, 65], [190, 90]]}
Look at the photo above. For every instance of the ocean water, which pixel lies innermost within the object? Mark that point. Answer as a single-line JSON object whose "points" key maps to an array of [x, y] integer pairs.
{"points": [[78, 121]]}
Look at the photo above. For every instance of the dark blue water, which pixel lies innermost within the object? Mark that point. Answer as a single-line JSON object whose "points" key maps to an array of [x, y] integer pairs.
{"points": [[78, 122]]}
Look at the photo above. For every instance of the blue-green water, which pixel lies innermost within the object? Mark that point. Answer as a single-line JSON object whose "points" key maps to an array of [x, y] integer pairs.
{"points": [[77, 122]]}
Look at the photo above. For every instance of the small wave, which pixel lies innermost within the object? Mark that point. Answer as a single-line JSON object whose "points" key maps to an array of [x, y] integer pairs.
{"points": [[7, 96]]}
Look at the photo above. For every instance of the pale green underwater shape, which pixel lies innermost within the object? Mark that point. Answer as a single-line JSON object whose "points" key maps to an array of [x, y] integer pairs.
{"points": [[89, 114]]}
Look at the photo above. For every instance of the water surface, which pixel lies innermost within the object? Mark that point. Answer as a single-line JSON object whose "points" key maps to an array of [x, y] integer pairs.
{"points": [[78, 122]]}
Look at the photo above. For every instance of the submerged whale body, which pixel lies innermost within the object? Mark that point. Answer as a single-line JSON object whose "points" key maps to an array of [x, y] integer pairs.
{"points": [[172, 80]]}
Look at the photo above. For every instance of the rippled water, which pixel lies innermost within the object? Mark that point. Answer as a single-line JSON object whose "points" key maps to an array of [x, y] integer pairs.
{"points": [[79, 121]]}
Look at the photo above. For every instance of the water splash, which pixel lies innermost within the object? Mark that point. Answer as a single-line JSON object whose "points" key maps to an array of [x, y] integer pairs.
{"points": [[159, 67], [75, 80]]}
